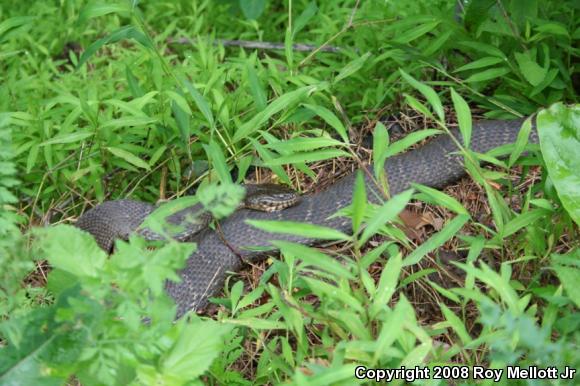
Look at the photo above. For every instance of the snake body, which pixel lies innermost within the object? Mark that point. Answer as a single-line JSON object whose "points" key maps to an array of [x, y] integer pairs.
{"points": [[435, 164]]}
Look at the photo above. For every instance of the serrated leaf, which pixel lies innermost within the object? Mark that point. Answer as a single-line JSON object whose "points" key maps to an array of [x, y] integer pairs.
{"points": [[72, 250], [197, 345]]}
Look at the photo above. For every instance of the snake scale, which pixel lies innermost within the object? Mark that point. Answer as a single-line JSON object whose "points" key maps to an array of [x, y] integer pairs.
{"points": [[435, 164]]}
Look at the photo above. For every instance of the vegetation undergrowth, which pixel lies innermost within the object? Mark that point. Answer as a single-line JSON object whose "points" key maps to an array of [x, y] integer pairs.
{"points": [[101, 100]]}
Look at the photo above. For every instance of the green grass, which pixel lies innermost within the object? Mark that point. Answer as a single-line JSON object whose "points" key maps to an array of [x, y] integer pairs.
{"points": [[96, 103]]}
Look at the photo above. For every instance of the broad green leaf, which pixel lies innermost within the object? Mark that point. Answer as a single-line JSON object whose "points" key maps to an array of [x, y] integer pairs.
{"points": [[416, 32], [129, 121], [252, 9], [288, 47], [67, 138], [235, 294], [100, 9], [388, 281], [530, 70], [418, 106], [303, 19], [256, 88], [428, 93], [391, 328], [312, 257], [257, 323], [523, 220], [197, 344], [72, 250], [182, 119], [133, 83], [218, 160], [250, 298], [492, 73], [317, 155], [480, 63], [380, 146], [521, 141], [32, 157], [456, 323], [409, 140], [15, 22], [359, 202], [559, 131], [179, 100], [351, 67], [129, 157], [266, 155], [31, 341], [437, 240], [200, 102], [437, 197], [553, 28], [280, 103], [126, 32], [497, 205], [567, 267], [483, 47], [303, 144], [324, 289], [387, 212], [330, 118], [299, 229], [158, 153], [463, 116], [499, 283]]}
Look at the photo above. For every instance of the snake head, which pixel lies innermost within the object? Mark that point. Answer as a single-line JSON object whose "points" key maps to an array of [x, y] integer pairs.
{"points": [[269, 197]]}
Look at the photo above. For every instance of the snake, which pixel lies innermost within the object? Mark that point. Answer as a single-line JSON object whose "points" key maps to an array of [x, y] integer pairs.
{"points": [[236, 243]]}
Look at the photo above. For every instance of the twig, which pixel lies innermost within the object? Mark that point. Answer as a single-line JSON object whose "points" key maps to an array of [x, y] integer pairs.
{"points": [[258, 45]]}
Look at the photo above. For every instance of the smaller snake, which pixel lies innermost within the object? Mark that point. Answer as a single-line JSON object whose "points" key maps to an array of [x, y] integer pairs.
{"points": [[110, 220]]}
